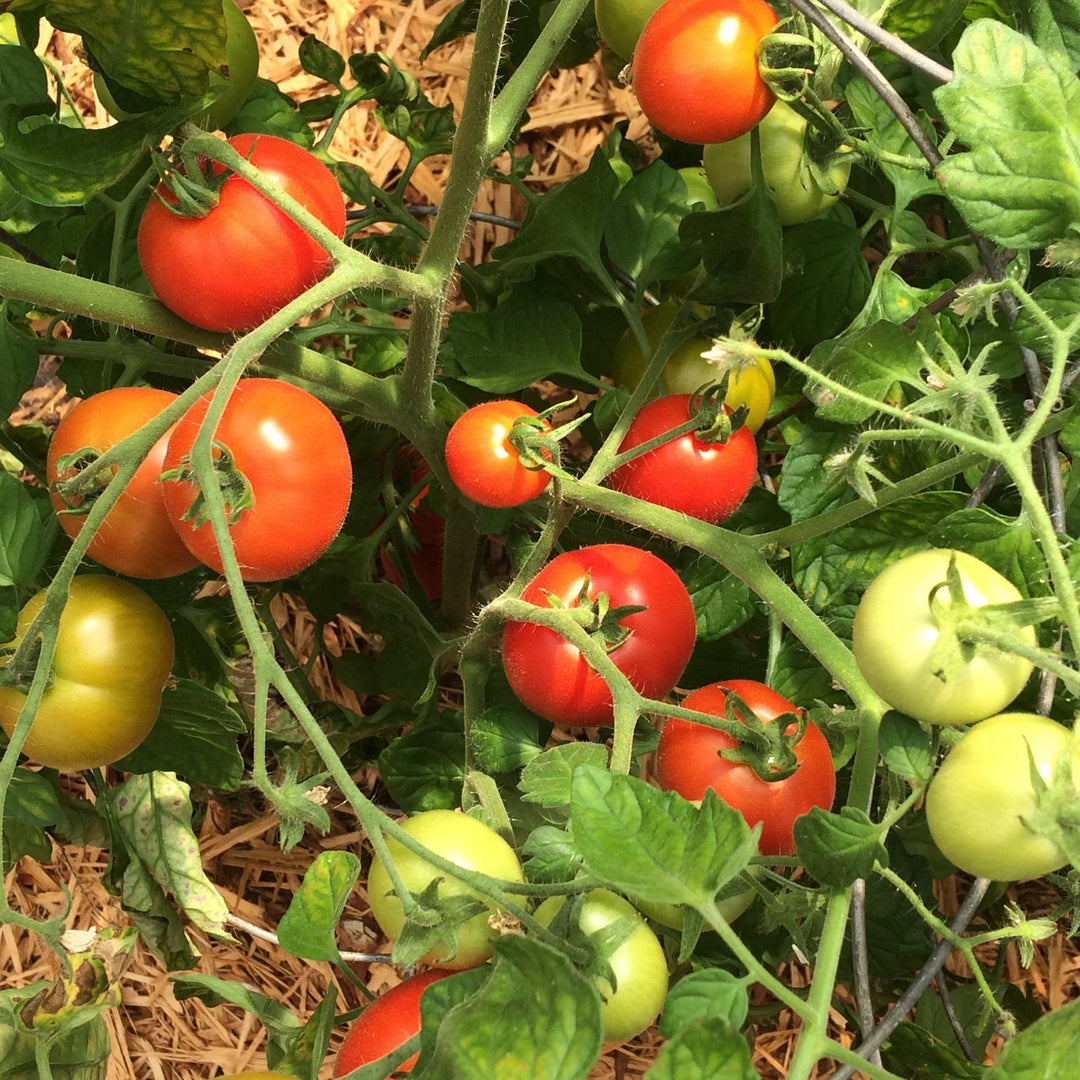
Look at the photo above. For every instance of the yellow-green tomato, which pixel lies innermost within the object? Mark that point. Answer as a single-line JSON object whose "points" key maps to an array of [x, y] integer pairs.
{"points": [[464, 841], [638, 964], [783, 135], [981, 796], [242, 58], [114, 653], [620, 23], [895, 631], [686, 370], [673, 915]]}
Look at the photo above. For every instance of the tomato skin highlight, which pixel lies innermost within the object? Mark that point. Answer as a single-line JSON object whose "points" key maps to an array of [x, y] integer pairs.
{"points": [[390, 1020], [704, 480], [553, 679], [114, 654], [688, 762], [483, 463], [695, 68], [979, 797], [894, 633], [465, 841], [292, 450], [638, 964], [245, 259], [136, 538]]}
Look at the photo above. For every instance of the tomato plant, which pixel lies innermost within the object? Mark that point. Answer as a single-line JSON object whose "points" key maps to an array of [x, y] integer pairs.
{"points": [[695, 68], [483, 461], [650, 647], [136, 538], [982, 794], [242, 69], [705, 479], [114, 653], [688, 761], [638, 964], [465, 841], [390, 1020], [730, 906], [895, 632], [243, 259], [289, 450], [686, 370], [799, 196], [620, 23]]}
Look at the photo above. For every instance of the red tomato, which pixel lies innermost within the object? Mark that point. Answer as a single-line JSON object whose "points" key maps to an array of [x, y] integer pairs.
{"points": [[550, 675], [292, 451], [695, 69], [482, 461], [705, 480], [245, 259], [136, 538], [688, 761], [385, 1024]]}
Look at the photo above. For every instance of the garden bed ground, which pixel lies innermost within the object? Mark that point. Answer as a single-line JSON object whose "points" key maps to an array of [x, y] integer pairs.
{"points": [[156, 1037]]}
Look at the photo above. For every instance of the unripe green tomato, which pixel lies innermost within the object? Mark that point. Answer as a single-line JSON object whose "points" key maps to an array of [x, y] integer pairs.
{"points": [[699, 193], [620, 23], [465, 841], [673, 915], [783, 134], [980, 797], [242, 57], [9, 33], [638, 964], [686, 370]]}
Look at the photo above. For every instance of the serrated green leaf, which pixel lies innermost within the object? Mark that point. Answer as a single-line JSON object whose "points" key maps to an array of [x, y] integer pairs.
{"points": [[722, 602], [1018, 109], [710, 992], [153, 812], [307, 929], [1059, 298], [806, 487], [548, 779], [23, 542], [905, 747], [535, 1018], [506, 738], [706, 1049], [424, 769], [551, 855], [836, 849]]}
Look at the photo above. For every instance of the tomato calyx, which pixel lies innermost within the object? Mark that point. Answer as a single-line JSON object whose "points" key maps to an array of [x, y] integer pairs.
{"points": [[785, 61], [1057, 809], [595, 615], [537, 443], [88, 482], [236, 489], [766, 746], [716, 422]]}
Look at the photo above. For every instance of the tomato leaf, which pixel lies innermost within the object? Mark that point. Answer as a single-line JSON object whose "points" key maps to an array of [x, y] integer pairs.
{"points": [[506, 738], [80, 1053], [548, 779], [552, 855], [905, 747], [722, 602], [710, 992], [708, 1048], [836, 849], [153, 812], [654, 844], [424, 768], [23, 543], [307, 929], [1018, 107], [535, 1018], [913, 1051]]}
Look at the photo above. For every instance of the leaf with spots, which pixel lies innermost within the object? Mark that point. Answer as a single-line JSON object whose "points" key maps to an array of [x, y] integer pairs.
{"points": [[153, 814]]}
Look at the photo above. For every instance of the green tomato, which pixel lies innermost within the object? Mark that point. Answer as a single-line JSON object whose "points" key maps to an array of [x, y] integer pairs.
{"points": [[978, 800], [699, 193], [783, 135], [620, 23], [894, 636], [9, 33], [638, 964], [686, 370], [242, 57], [673, 915], [468, 843]]}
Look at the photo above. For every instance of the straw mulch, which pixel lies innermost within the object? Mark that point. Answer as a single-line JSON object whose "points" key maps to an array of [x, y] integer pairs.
{"points": [[154, 1036]]}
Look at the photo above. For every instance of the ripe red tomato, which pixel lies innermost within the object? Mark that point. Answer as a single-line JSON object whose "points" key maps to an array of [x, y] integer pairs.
{"points": [[114, 654], [695, 68], [390, 1020], [688, 761], [707, 480], [136, 538], [245, 259], [552, 677], [292, 451], [484, 464]]}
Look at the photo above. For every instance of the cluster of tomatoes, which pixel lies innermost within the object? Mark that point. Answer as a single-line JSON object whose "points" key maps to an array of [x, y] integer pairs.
{"points": [[286, 479]]}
